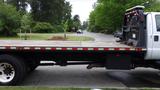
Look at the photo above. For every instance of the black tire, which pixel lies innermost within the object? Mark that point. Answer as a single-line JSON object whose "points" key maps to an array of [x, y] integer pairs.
{"points": [[19, 68]]}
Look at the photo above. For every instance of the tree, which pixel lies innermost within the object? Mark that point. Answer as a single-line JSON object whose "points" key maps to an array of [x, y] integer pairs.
{"points": [[108, 14], [1, 1], [51, 11], [43, 27], [84, 25], [67, 16], [67, 9], [76, 22], [65, 28], [92, 22], [70, 25], [26, 22], [20, 5], [9, 20]]}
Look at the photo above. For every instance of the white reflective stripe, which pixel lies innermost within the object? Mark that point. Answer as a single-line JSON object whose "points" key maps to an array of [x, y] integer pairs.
{"points": [[90, 49], [144, 49], [58, 48], [13, 48], [2, 47], [111, 49], [79, 48], [122, 49], [101, 49], [132, 49], [37, 48], [26, 48], [69, 48], [48, 48]]}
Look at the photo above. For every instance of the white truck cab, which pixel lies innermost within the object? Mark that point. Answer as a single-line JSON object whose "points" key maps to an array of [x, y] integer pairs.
{"points": [[153, 35]]}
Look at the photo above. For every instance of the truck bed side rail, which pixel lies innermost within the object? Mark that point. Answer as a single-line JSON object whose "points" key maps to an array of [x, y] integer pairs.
{"points": [[69, 48]]}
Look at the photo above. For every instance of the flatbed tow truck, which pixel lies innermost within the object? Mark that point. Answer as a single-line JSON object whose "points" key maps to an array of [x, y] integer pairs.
{"points": [[139, 47]]}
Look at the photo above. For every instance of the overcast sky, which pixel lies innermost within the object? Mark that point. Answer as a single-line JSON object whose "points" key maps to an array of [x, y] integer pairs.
{"points": [[82, 8]]}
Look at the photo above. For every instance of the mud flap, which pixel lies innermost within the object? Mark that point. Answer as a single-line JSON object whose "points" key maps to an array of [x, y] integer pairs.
{"points": [[120, 62]]}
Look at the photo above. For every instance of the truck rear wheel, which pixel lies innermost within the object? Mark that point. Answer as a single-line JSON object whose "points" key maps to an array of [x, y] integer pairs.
{"points": [[12, 70]]}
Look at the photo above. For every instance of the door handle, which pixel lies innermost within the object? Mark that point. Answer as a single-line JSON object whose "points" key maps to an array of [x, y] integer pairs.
{"points": [[156, 38]]}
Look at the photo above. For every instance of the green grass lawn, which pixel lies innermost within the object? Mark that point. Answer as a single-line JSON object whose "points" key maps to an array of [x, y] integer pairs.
{"points": [[47, 36]]}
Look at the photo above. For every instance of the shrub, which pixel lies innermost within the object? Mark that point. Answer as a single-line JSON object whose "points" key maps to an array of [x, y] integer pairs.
{"points": [[59, 29], [9, 20], [43, 27]]}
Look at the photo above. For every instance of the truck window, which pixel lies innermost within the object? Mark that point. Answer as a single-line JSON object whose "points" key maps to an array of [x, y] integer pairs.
{"points": [[158, 22]]}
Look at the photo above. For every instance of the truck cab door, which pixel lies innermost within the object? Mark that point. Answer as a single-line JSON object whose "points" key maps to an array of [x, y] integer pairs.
{"points": [[155, 36]]}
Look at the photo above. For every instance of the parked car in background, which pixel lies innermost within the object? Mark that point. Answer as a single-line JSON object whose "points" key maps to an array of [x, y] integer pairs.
{"points": [[79, 32]]}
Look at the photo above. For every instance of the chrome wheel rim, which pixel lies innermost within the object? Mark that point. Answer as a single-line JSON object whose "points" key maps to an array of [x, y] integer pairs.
{"points": [[7, 72]]}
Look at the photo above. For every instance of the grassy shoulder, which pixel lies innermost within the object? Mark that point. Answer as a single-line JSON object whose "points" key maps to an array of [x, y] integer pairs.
{"points": [[50, 37]]}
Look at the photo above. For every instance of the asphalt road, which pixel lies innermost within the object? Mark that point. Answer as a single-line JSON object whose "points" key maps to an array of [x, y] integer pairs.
{"points": [[79, 76], [97, 36]]}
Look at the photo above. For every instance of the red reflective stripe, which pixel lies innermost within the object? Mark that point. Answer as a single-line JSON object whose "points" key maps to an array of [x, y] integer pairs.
{"points": [[117, 49], [85, 49], [74, 49], [8, 47], [106, 49], [64, 49], [96, 49], [32, 48], [138, 49], [42, 48], [19, 48], [53, 49], [127, 49]]}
